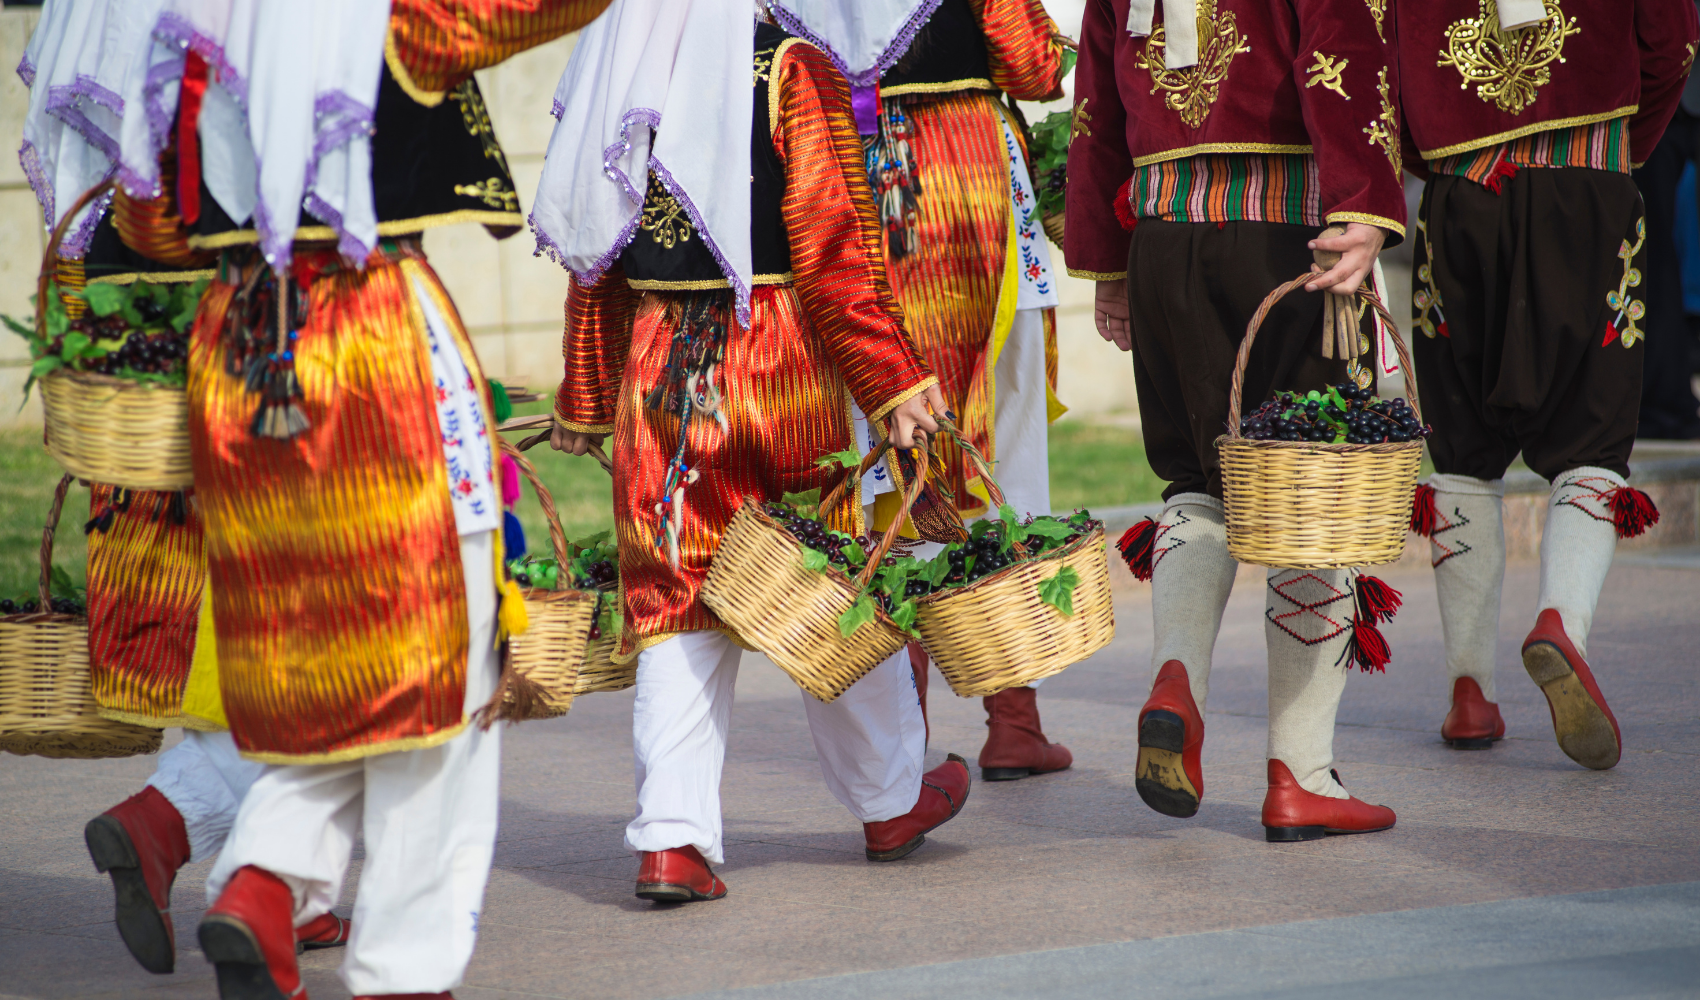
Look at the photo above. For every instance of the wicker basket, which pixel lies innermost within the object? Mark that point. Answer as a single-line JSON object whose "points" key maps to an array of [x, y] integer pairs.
{"points": [[540, 673], [47, 707], [758, 585], [1299, 505], [1053, 224], [601, 672], [996, 634], [105, 429]]}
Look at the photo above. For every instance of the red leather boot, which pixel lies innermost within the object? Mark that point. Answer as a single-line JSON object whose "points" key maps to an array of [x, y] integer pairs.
{"points": [[677, 875], [918, 663], [1170, 772], [249, 936], [1015, 745], [1587, 731], [944, 789], [1290, 813], [327, 930], [1474, 722], [141, 842]]}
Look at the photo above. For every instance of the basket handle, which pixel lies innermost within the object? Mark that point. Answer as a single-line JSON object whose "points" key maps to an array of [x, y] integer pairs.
{"points": [[45, 583], [50, 256], [557, 537], [910, 495], [1366, 293], [994, 493], [595, 449]]}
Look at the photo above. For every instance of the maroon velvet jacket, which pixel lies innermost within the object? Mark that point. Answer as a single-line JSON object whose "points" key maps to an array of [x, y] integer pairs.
{"points": [[1591, 60], [1273, 76]]}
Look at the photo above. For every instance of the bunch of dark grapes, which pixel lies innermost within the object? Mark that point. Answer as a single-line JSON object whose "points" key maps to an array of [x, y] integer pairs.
{"points": [[815, 535], [1364, 419], [59, 605], [600, 575], [155, 352]]}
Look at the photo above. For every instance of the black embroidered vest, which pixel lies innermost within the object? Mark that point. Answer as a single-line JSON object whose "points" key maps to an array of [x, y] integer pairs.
{"points": [[431, 166], [949, 53], [667, 251]]}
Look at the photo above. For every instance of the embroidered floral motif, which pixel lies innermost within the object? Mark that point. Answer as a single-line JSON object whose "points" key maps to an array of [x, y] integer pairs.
{"points": [[1628, 310], [1426, 311], [1193, 90], [1378, 10], [763, 65], [1035, 270], [664, 219], [493, 192], [1328, 70], [1078, 118], [476, 117], [1383, 130], [1508, 67]]}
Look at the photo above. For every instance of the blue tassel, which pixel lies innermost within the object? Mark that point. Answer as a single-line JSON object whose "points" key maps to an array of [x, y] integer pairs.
{"points": [[513, 536]]}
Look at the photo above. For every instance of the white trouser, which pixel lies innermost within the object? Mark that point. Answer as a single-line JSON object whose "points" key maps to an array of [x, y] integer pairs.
{"points": [[871, 741], [1021, 419], [430, 829], [206, 779]]}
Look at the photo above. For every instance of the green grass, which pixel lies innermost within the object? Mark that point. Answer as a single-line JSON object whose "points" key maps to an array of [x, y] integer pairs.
{"points": [[1092, 465]]}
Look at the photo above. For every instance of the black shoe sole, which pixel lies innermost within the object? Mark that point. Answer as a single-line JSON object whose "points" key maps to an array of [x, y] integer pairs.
{"points": [[666, 892], [1294, 834], [146, 931], [1160, 778], [241, 966], [900, 851], [1004, 773], [1472, 743]]}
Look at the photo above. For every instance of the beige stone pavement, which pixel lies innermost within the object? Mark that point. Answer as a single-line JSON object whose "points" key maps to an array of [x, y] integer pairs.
{"points": [[1050, 862]]}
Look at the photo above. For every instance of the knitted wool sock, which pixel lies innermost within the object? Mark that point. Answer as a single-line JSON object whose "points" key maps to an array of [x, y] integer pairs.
{"points": [[1306, 628], [1468, 551], [1576, 548], [1191, 576]]}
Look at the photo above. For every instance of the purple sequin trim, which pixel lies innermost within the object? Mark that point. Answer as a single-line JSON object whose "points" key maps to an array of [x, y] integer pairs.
{"points": [[88, 87], [62, 104], [174, 29], [76, 242], [26, 71], [161, 114], [740, 290], [352, 119], [30, 161], [636, 116], [893, 52], [557, 109], [347, 243]]}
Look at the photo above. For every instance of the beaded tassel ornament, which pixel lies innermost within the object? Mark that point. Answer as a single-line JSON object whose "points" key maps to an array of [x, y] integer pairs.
{"points": [[895, 178], [687, 388]]}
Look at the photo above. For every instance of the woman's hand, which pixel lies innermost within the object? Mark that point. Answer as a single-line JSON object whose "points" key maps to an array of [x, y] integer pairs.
{"points": [[1109, 310], [917, 413], [1357, 250], [573, 442]]}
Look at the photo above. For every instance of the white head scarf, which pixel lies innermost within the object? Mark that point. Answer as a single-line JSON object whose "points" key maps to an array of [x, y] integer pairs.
{"points": [[658, 86], [862, 37]]}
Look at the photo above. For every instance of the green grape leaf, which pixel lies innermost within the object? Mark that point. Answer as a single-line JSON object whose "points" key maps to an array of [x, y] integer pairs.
{"points": [[76, 342], [892, 579], [939, 568], [968, 565], [854, 555], [806, 503], [184, 301], [904, 615], [43, 365], [815, 560], [860, 613], [1058, 591], [849, 458], [1052, 529], [61, 585], [20, 327], [1069, 57], [980, 528], [131, 314], [106, 299]]}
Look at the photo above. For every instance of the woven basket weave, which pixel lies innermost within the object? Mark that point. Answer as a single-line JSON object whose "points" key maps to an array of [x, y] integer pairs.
{"points": [[600, 671], [1053, 224], [1299, 505], [47, 707], [105, 429], [758, 585], [541, 673], [996, 634]]}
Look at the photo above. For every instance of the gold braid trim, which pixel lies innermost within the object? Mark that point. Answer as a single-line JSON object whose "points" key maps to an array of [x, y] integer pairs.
{"points": [[1518, 133], [903, 397]]}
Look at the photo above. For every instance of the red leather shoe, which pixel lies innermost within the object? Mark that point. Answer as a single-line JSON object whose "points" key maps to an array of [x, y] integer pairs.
{"points": [[677, 875], [1170, 773], [249, 936], [1587, 731], [1015, 745], [1290, 813], [944, 789], [141, 842], [445, 995], [327, 930], [1474, 722]]}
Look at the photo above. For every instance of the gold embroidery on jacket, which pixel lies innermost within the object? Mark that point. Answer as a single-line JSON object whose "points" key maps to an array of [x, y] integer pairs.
{"points": [[1328, 70], [1508, 67], [1077, 121], [1688, 63], [1425, 297], [1378, 10], [493, 192], [1383, 130], [664, 218], [763, 65], [497, 192], [1628, 310], [1193, 90]]}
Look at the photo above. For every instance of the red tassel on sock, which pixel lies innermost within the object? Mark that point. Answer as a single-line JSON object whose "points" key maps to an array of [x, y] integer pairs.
{"points": [[1136, 546], [1632, 511], [1124, 207], [1367, 648], [1501, 172], [1423, 512], [1377, 602]]}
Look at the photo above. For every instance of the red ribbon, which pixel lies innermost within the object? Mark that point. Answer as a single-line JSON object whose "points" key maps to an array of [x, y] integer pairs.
{"points": [[193, 91]]}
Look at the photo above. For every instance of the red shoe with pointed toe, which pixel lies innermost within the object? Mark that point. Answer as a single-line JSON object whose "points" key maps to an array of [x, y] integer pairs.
{"points": [[677, 875], [249, 936], [1291, 813], [327, 930], [1474, 722], [944, 789], [141, 842], [1587, 731], [1015, 745], [1170, 772]]}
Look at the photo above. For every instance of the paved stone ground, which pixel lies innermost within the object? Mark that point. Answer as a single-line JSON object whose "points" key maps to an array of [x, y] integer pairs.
{"points": [[1062, 885]]}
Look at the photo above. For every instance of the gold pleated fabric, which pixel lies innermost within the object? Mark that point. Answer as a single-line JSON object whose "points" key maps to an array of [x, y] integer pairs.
{"points": [[337, 589], [145, 577]]}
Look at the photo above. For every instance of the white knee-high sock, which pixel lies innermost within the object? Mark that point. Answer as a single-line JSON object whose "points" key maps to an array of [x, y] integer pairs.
{"points": [[1577, 546], [1468, 552], [1191, 577], [1306, 628]]}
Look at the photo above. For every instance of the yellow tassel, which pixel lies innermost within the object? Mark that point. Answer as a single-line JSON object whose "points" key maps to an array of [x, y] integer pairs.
{"points": [[511, 619]]}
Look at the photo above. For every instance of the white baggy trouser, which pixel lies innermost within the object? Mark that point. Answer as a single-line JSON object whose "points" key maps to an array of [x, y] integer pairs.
{"points": [[205, 778], [429, 818], [871, 742]]}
